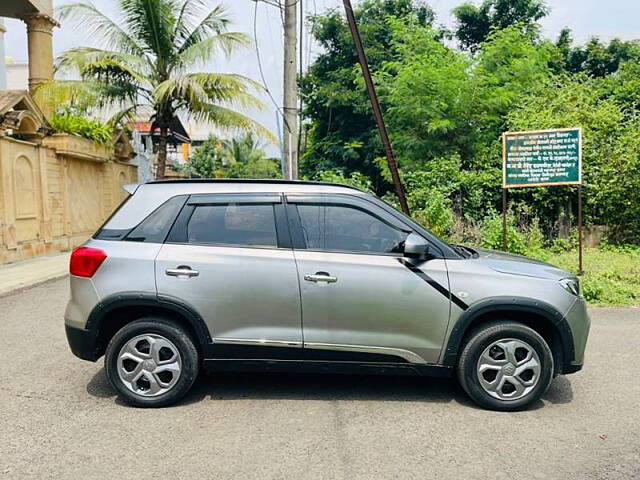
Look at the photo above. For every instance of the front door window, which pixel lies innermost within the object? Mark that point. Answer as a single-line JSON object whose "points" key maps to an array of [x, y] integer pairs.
{"points": [[348, 229]]}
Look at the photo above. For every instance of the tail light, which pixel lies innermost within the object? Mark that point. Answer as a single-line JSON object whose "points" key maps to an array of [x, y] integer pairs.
{"points": [[85, 261]]}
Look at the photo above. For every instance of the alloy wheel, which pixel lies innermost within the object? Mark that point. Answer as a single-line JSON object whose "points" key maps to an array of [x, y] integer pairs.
{"points": [[509, 369], [149, 365]]}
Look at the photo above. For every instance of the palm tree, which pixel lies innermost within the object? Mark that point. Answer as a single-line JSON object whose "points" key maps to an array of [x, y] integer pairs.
{"points": [[146, 61], [244, 149]]}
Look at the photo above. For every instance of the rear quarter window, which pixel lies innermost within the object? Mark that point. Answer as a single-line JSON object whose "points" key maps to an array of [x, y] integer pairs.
{"points": [[112, 234], [155, 227]]}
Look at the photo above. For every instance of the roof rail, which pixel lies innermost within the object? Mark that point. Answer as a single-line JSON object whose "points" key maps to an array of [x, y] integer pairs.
{"points": [[251, 180]]}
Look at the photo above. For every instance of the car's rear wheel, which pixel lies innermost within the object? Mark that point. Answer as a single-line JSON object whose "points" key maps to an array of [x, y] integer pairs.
{"points": [[505, 366], [152, 362]]}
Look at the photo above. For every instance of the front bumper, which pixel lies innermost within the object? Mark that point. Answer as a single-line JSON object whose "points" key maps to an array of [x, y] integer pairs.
{"points": [[83, 343], [579, 322], [572, 368]]}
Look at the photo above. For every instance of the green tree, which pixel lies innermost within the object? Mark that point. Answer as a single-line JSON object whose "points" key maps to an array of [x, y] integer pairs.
{"points": [[240, 157], [146, 60], [342, 132], [475, 24], [244, 149], [596, 58], [208, 160], [447, 136], [446, 110], [611, 146], [356, 179], [247, 158]]}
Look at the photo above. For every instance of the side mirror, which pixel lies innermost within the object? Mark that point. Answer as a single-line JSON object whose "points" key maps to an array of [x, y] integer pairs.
{"points": [[415, 246]]}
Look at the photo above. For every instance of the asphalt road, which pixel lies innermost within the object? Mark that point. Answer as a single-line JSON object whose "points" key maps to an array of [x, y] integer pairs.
{"points": [[59, 417]]}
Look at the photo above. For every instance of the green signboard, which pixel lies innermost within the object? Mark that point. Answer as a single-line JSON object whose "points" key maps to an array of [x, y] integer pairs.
{"points": [[542, 158]]}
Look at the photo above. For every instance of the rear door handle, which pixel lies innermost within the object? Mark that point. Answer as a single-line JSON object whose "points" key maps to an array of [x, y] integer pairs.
{"points": [[182, 271], [321, 277]]}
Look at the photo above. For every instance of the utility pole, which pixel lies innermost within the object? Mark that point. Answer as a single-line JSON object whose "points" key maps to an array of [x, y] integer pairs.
{"points": [[290, 107], [375, 104]]}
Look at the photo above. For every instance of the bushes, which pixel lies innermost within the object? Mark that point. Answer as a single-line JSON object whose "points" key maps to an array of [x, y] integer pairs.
{"points": [[610, 149], [611, 277], [356, 179], [492, 236], [95, 131], [436, 215]]}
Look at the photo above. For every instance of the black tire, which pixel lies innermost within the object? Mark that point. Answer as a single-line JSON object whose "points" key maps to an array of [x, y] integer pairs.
{"points": [[481, 339], [185, 346]]}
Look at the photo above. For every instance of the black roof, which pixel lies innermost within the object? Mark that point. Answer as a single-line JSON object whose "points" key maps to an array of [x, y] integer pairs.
{"points": [[252, 180]]}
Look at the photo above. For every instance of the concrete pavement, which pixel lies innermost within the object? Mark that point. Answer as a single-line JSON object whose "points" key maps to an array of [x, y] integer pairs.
{"points": [[27, 273], [60, 419]]}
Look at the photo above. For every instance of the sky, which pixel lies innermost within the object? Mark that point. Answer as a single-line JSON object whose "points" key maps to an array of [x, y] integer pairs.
{"points": [[605, 19]]}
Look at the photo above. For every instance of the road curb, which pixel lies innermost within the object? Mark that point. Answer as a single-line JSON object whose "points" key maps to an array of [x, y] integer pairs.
{"points": [[15, 277], [29, 285]]}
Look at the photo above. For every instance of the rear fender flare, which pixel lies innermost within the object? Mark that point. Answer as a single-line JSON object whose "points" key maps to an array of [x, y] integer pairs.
{"points": [[169, 304]]}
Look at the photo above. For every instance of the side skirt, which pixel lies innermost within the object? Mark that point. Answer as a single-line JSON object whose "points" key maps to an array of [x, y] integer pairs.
{"points": [[317, 366]]}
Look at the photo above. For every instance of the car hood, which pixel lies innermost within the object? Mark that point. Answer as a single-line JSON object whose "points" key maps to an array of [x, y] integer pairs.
{"points": [[519, 265]]}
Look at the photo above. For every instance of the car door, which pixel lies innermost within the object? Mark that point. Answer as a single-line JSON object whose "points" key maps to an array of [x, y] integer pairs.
{"points": [[230, 258], [361, 299]]}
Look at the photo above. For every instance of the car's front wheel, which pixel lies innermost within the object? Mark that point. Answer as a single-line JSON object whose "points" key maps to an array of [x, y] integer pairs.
{"points": [[152, 362], [505, 366]]}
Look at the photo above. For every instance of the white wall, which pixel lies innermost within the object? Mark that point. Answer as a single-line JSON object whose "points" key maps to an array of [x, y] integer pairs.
{"points": [[3, 73], [17, 75]]}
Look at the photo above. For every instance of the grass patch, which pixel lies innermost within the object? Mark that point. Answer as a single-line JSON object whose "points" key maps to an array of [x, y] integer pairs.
{"points": [[612, 274]]}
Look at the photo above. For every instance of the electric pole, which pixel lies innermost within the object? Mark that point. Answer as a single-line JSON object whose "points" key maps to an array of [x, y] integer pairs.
{"points": [[375, 104], [290, 107]]}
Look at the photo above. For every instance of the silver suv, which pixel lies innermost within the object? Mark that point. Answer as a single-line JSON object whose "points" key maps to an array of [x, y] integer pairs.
{"points": [[280, 276]]}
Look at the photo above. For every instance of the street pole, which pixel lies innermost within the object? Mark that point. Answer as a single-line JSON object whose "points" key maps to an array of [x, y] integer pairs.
{"points": [[290, 107], [375, 104]]}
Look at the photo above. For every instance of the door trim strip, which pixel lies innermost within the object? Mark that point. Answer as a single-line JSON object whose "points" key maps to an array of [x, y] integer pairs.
{"points": [[259, 342], [398, 352]]}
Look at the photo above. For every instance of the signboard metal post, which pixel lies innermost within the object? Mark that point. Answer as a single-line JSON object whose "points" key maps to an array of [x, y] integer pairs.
{"points": [[542, 158], [504, 220], [504, 193], [580, 231]]}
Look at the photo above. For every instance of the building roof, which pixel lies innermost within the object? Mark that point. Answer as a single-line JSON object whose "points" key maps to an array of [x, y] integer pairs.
{"points": [[19, 112], [16, 8], [177, 132]]}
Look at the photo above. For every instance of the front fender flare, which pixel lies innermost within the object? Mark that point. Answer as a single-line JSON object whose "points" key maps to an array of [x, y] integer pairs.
{"points": [[509, 304]]}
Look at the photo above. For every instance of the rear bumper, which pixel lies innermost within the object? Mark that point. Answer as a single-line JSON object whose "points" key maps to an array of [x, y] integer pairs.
{"points": [[83, 343]]}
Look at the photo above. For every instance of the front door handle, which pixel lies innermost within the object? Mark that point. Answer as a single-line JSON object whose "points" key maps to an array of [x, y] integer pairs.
{"points": [[182, 271], [321, 277]]}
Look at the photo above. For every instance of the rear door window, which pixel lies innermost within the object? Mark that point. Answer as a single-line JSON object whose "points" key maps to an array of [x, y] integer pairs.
{"points": [[233, 224]]}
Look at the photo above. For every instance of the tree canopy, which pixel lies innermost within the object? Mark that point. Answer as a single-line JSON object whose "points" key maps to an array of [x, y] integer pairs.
{"points": [[240, 157], [475, 24], [447, 107]]}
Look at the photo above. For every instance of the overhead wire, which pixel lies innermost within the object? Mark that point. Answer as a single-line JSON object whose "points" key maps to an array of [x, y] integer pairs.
{"points": [[260, 67], [281, 6]]}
